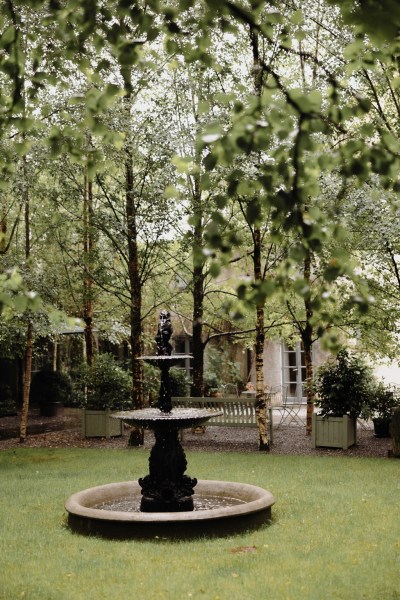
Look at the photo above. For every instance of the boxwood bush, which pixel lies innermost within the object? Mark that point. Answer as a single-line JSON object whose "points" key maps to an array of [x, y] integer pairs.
{"points": [[344, 386], [50, 386], [103, 385]]}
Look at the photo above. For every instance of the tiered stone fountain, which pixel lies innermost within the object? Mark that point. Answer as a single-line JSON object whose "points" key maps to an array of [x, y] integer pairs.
{"points": [[167, 502]]}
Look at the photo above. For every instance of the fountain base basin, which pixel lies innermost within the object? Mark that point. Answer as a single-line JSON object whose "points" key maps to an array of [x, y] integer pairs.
{"points": [[250, 508]]}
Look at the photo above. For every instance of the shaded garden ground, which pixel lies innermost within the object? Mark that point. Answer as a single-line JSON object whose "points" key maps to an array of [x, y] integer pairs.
{"points": [[65, 432]]}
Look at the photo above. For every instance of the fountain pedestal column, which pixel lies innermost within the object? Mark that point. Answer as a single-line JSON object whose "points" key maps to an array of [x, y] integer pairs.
{"points": [[164, 402], [166, 488]]}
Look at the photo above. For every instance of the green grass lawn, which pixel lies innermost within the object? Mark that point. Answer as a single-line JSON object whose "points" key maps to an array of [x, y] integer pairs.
{"points": [[335, 532]]}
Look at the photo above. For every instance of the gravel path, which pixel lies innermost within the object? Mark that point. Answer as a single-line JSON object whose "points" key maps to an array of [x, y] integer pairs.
{"points": [[65, 432]]}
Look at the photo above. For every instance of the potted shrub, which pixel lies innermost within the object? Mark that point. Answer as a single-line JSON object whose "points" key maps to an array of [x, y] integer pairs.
{"points": [[50, 390], [343, 391], [382, 404], [103, 388]]}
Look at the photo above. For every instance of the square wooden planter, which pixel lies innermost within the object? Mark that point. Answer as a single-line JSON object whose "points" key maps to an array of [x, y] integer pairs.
{"points": [[98, 423], [333, 432]]}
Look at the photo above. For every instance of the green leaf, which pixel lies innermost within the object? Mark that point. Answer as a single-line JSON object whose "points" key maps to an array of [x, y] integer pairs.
{"points": [[298, 253], [182, 163], [203, 107], [297, 17], [8, 37], [212, 133], [310, 102], [253, 211], [220, 201], [268, 287], [171, 192], [210, 161], [302, 288], [332, 271], [215, 269], [300, 35]]}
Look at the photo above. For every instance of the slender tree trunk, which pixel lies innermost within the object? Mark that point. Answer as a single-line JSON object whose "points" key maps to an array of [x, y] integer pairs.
{"points": [[3, 233], [55, 354], [88, 280], [29, 332], [198, 288], [198, 308], [261, 406], [27, 382], [137, 435], [307, 339], [197, 340]]}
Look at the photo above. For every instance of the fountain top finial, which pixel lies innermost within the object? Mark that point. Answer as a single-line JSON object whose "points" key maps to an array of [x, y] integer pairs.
{"points": [[164, 332]]}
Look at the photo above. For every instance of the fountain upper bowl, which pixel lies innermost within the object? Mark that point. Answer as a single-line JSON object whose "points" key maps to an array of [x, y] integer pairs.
{"points": [[182, 418]]}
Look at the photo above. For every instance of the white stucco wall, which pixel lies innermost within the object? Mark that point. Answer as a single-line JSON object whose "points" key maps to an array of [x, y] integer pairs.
{"points": [[273, 362], [389, 372]]}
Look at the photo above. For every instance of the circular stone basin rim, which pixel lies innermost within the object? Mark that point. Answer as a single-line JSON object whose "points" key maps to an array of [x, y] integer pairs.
{"points": [[254, 498]]}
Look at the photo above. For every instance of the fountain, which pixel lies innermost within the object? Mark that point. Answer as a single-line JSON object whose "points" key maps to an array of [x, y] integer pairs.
{"points": [[165, 502]]}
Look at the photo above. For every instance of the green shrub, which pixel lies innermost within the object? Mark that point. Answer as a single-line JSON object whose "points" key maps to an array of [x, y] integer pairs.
{"points": [[179, 382], [151, 382], [220, 370], [344, 386], [104, 385], [383, 401], [50, 386]]}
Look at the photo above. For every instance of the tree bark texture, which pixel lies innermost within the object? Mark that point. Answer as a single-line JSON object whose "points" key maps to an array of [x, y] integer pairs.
{"points": [[307, 339], [27, 383], [198, 292], [137, 435], [197, 340], [3, 233], [261, 405], [29, 333], [88, 280]]}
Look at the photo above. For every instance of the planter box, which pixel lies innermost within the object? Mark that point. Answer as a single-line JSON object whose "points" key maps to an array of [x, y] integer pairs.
{"points": [[98, 423], [333, 432]]}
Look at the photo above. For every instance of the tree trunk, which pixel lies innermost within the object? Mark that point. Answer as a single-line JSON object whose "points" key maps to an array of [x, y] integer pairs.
{"points": [[3, 233], [29, 333], [307, 340], [88, 280], [55, 352], [27, 383], [307, 345], [198, 289], [197, 340], [261, 405], [137, 435]]}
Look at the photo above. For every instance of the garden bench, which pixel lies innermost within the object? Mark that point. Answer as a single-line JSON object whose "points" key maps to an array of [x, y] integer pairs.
{"points": [[236, 412]]}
